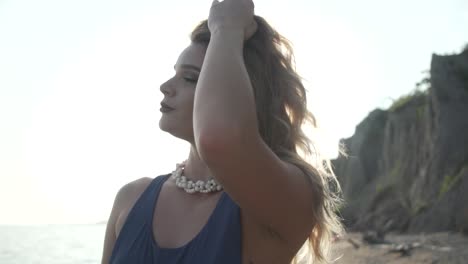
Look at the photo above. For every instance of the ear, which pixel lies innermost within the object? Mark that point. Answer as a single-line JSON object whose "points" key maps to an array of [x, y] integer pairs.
{"points": [[250, 30]]}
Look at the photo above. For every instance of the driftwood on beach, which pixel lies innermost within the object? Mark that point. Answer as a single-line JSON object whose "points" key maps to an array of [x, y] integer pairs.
{"points": [[436, 248]]}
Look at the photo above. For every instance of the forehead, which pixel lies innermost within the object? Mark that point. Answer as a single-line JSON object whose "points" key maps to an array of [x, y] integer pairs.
{"points": [[192, 55]]}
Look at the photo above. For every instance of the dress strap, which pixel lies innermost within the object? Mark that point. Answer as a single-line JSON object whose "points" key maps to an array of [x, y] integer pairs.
{"points": [[137, 219], [150, 197]]}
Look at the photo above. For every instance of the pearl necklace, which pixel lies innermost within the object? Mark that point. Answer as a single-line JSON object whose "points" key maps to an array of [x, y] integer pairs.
{"points": [[190, 186]]}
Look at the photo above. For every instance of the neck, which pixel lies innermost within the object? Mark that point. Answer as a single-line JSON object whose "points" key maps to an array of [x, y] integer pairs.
{"points": [[195, 168]]}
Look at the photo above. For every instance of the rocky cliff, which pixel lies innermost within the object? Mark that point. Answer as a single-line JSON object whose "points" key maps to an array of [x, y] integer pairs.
{"points": [[407, 168]]}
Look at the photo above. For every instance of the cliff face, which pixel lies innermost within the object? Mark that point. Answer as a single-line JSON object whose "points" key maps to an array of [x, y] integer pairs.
{"points": [[407, 168]]}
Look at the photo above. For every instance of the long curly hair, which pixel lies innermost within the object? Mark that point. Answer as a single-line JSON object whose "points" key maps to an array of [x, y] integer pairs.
{"points": [[281, 107]]}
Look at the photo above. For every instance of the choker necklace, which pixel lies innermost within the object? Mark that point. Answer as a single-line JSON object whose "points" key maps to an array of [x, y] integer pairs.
{"points": [[190, 186]]}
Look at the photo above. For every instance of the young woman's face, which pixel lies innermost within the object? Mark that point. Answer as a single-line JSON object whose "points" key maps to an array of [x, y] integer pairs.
{"points": [[179, 92]]}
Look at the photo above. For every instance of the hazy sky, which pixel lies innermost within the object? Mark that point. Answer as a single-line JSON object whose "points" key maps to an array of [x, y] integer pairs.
{"points": [[79, 85]]}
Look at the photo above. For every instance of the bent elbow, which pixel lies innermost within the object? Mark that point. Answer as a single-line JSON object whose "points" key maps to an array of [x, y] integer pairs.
{"points": [[213, 146]]}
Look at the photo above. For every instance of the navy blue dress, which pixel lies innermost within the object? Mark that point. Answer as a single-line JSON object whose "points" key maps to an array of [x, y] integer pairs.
{"points": [[219, 241]]}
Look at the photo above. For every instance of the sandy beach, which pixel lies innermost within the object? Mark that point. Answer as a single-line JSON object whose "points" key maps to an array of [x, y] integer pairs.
{"points": [[440, 248]]}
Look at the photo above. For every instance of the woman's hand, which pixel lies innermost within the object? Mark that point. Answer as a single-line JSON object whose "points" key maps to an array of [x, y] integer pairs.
{"points": [[235, 15]]}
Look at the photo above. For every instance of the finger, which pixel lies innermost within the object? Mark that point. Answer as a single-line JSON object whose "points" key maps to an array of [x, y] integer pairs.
{"points": [[215, 2]]}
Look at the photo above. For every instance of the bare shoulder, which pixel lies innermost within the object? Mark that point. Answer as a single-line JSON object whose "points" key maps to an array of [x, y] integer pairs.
{"points": [[126, 199], [132, 190], [123, 202]]}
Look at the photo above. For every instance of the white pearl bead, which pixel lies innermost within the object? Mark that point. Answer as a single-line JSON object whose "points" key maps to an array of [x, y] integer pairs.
{"points": [[191, 187]]}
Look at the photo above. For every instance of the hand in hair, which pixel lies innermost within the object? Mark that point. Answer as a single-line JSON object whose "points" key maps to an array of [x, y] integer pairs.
{"points": [[233, 15]]}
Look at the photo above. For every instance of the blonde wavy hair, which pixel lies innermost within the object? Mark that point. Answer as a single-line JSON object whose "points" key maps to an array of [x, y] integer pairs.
{"points": [[281, 106]]}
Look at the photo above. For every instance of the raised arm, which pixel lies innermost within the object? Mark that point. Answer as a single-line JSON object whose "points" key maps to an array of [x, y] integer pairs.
{"points": [[275, 193]]}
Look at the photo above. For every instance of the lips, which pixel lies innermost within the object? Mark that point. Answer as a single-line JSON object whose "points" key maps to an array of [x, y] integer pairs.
{"points": [[165, 108]]}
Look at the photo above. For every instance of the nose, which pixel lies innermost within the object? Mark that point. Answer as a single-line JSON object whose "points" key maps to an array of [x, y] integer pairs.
{"points": [[167, 89]]}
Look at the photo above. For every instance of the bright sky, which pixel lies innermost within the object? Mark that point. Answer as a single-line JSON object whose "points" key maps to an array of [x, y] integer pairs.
{"points": [[79, 85]]}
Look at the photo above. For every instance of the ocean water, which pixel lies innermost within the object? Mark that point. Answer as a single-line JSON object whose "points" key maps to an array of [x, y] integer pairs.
{"points": [[51, 244]]}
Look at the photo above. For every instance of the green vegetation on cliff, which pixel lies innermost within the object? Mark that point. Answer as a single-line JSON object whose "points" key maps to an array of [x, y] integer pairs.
{"points": [[421, 90], [405, 99], [450, 180]]}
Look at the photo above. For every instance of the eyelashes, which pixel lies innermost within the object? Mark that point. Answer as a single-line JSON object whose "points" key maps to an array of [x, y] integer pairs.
{"points": [[191, 80], [187, 76]]}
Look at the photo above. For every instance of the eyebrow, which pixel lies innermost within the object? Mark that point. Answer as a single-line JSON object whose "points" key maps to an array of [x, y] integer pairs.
{"points": [[189, 66]]}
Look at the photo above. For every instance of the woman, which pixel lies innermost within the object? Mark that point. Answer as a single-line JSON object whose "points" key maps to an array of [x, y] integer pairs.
{"points": [[244, 195]]}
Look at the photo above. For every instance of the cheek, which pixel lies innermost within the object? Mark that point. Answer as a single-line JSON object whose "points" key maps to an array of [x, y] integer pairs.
{"points": [[189, 101], [190, 110], [187, 106]]}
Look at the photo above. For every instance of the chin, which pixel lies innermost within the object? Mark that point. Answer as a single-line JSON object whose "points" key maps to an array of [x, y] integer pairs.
{"points": [[171, 129], [164, 126]]}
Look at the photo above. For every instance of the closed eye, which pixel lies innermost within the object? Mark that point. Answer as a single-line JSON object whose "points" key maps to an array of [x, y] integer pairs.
{"points": [[190, 80]]}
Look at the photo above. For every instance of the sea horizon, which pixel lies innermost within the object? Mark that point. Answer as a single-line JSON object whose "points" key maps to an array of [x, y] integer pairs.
{"points": [[51, 243]]}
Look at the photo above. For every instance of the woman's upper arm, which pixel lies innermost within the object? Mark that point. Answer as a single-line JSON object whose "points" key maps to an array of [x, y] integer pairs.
{"points": [[275, 193], [124, 201], [110, 234]]}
